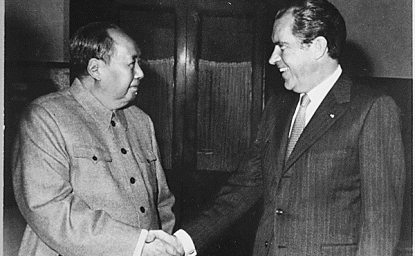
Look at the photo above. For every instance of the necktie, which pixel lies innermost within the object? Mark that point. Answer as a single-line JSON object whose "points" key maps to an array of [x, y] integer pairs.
{"points": [[298, 126]]}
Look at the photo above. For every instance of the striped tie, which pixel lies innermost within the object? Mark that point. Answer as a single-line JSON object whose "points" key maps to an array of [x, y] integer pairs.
{"points": [[298, 126]]}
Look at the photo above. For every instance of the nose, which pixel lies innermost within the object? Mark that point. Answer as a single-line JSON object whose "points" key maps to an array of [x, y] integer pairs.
{"points": [[275, 56], [138, 72]]}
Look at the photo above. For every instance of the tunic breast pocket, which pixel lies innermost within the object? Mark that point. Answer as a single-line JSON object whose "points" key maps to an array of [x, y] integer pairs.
{"points": [[94, 154], [92, 175]]}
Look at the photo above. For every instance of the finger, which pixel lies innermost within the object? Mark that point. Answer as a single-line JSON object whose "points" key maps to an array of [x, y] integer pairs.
{"points": [[171, 250], [179, 246], [166, 247], [160, 234], [150, 237]]}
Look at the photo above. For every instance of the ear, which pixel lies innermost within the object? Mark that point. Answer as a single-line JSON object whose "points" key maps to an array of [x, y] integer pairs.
{"points": [[319, 47], [94, 67]]}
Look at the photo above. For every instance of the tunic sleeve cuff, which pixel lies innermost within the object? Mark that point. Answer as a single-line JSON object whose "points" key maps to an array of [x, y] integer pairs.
{"points": [[140, 243]]}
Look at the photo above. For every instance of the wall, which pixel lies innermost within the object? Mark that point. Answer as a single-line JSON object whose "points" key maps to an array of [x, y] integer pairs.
{"points": [[37, 30], [380, 35]]}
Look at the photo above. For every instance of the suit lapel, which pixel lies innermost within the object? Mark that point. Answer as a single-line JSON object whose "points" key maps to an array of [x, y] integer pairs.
{"points": [[331, 109], [283, 128], [279, 118]]}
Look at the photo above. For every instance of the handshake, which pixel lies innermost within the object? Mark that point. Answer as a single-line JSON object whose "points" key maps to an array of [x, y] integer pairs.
{"points": [[161, 243]]}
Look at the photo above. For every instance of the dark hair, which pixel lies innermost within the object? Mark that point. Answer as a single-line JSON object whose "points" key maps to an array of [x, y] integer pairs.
{"points": [[313, 18], [90, 41]]}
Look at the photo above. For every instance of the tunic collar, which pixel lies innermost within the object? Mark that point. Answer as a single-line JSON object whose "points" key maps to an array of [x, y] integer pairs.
{"points": [[101, 115]]}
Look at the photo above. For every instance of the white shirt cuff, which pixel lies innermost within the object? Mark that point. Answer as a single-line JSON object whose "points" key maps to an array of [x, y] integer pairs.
{"points": [[187, 242], [140, 243]]}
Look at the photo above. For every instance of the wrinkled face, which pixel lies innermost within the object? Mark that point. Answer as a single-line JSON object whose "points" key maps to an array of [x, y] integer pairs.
{"points": [[121, 76], [294, 59]]}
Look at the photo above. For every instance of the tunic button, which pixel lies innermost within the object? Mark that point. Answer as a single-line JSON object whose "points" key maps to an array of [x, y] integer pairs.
{"points": [[266, 243], [112, 123], [94, 158], [124, 151], [132, 180], [279, 212], [142, 209]]}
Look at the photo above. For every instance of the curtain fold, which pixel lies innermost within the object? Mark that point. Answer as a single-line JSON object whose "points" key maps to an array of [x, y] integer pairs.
{"points": [[224, 104]]}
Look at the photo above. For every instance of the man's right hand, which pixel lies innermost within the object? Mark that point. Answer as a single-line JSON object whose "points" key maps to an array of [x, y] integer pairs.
{"points": [[160, 243]]}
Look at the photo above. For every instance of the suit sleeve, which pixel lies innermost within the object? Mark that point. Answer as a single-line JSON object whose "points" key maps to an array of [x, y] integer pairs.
{"points": [[59, 217], [383, 178], [243, 189]]}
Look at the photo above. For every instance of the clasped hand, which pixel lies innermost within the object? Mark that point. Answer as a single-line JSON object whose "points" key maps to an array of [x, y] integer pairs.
{"points": [[160, 243]]}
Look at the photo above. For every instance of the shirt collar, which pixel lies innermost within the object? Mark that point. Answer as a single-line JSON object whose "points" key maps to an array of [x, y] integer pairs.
{"points": [[318, 93], [101, 115]]}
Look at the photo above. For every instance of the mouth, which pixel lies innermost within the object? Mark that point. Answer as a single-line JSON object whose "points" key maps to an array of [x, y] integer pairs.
{"points": [[134, 89], [284, 69]]}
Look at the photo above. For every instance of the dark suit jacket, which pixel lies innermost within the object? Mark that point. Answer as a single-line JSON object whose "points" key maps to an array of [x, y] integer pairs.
{"points": [[339, 193]]}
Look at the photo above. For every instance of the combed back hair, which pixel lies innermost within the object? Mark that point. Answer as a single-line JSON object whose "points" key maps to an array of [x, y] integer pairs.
{"points": [[314, 18], [90, 41]]}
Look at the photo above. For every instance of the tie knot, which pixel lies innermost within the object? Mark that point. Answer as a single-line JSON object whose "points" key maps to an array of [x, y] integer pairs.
{"points": [[305, 100]]}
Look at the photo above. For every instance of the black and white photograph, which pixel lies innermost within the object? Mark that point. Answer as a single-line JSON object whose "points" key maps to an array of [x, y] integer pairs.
{"points": [[207, 127]]}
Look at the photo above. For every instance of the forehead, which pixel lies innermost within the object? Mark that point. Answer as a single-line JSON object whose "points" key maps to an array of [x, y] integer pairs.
{"points": [[282, 30], [123, 44]]}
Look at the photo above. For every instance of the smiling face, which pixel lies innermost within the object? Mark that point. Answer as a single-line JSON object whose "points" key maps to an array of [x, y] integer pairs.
{"points": [[121, 75], [295, 60]]}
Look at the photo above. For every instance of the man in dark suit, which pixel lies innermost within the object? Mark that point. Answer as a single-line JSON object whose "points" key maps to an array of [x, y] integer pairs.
{"points": [[328, 158]]}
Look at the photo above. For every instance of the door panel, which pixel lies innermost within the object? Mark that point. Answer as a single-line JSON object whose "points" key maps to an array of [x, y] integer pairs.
{"points": [[224, 91], [223, 113]]}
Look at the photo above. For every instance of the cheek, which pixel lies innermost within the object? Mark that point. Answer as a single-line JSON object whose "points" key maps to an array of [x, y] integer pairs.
{"points": [[116, 76], [125, 76], [129, 75], [289, 59], [297, 64]]}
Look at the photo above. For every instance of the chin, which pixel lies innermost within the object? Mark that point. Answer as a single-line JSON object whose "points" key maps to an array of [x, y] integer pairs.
{"points": [[289, 86], [134, 96]]}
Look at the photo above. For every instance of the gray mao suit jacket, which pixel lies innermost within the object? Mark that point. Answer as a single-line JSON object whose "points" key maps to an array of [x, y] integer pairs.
{"points": [[87, 179], [339, 193]]}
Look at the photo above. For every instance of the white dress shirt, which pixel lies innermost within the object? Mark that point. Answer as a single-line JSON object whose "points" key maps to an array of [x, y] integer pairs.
{"points": [[317, 95]]}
